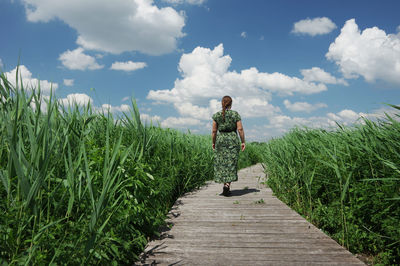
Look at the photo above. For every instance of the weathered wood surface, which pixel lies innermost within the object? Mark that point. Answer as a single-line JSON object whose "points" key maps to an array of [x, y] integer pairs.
{"points": [[251, 227]]}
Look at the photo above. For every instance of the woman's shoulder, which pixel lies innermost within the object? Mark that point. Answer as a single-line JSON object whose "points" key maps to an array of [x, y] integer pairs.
{"points": [[217, 114], [236, 115]]}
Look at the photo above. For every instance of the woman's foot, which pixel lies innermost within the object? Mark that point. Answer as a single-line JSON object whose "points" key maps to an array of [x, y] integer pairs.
{"points": [[226, 191]]}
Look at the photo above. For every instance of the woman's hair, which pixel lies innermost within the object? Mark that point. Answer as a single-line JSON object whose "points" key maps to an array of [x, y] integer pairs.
{"points": [[226, 103]]}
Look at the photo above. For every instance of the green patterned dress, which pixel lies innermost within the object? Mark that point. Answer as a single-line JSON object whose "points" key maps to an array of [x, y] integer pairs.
{"points": [[227, 147]]}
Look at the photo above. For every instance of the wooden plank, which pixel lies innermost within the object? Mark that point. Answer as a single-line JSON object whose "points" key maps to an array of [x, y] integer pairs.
{"points": [[175, 259], [282, 244], [242, 215], [236, 211], [251, 251], [243, 235], [198, 258], [209, 229]]}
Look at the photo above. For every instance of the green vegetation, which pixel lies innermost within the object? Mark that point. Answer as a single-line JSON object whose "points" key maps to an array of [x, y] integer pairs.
{"points": [[260, 201], [80, 187], [347, 182], [252, 154]]}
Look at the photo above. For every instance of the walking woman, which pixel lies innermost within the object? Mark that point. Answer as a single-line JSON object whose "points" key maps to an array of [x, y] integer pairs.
{"points": [[225, 143]]}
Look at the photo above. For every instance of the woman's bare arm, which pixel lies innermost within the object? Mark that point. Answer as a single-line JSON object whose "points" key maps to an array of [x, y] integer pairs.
{"points": [[214, 133], [239, 127]]}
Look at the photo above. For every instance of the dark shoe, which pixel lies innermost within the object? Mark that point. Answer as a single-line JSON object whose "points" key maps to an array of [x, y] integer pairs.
{"points": [[226, 192]]}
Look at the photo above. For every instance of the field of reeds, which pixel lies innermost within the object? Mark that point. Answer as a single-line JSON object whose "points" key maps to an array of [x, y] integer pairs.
{"points": [[345, 181], [83, 187]]}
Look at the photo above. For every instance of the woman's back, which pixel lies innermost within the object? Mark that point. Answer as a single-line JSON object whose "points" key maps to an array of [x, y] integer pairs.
{"points": [[229, 123]]}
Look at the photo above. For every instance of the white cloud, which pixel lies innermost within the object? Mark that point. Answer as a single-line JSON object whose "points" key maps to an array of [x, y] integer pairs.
{"points": [[1, 63], [252, 107], [280, 124], [303, 106], [78, 60], [29, 82], [317, 74], [315, 26], [68, 82], [114, 109], [149, 118], [81, 99], [180, 122], [243, 34], [195, 111], [348, 115], [206, 79], [128, 66], [125, 98], [114, 26], [190, 2], [372, 53]]}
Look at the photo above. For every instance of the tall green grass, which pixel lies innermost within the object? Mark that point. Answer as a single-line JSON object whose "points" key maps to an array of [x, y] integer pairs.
{"points": [[253, 154], [79, 187], [82, 187], [346, 181]]}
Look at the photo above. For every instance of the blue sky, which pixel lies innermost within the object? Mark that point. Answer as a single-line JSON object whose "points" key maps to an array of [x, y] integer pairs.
{"points": [[285, 63]]}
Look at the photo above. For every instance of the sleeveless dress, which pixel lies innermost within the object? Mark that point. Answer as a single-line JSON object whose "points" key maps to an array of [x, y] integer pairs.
{"points": [[227, 147]]}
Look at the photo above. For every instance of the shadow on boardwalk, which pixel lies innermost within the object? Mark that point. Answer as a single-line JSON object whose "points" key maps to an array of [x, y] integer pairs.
{"points": [[241, 192], [251, 227]]}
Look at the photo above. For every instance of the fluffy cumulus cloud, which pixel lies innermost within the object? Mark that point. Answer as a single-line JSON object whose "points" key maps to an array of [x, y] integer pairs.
{"points": [[315, 26], [243, 34], [150, 118], [128, 66], [28, 81], [180, 122], [78, 60], [115, 109], [114, 26], [69, 82], [303, 106], [280, 124], [81, 99], [319, 75], [206, 78], [372, 53], [344, 116]]}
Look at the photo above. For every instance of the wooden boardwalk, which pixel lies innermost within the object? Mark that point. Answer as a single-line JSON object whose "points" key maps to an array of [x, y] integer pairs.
{"points": [[251, 227]]}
